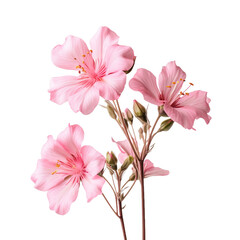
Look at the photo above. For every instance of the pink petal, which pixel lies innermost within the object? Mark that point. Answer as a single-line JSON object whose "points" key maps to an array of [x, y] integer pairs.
{"points": [[103, 39], [111, 86], [53, 151], [171, 74], [118, 58], [85, 100], [150, 170], [71, 139], [93, 160], [63, 195], [198, 101], [122, 157], [145, 82], [70, 54], [185, 116], [61, 88], [93, 186], [43, 177]]}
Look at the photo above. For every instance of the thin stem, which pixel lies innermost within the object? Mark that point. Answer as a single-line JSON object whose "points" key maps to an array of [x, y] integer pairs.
{"points": [[143, 201], [120, 208], [126, 131], [110, 205], [109, 185], [130, 188]]}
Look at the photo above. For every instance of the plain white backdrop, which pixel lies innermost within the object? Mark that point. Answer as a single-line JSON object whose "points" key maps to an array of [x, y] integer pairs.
{"points": [[200, 198]]}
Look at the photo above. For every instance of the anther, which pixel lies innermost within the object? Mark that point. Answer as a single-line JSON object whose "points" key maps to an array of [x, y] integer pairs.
{"points": [[173, 82], [91, 51], [84, 55], [191, 83], [75, 59], [181, 93], [180, 79], [54, 172], [187, 93], [168, 86], [78, 66]]}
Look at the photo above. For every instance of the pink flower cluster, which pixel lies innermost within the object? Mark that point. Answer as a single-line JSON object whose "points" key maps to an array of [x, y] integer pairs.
{"points": [[101, 72]]}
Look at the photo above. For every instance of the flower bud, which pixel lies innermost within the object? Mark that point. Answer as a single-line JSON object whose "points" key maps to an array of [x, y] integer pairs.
{"points": [[132, 177], [161, 111], [166, 125], [139, 111], [129, 115], [111, 160], [140, 131], [111, 111], [126, 163]]}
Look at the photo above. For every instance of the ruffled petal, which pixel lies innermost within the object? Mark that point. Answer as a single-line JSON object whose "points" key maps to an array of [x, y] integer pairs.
{"points": [[118, 58], [93, 160], [145, 82], [199, 102], [185, 116], [53, 151], [100, 42], [170, 81], [61, 88], [85, 100], [71, 54], [43, 177], [150, 170], [63, 195], [71, 139], [111, 86], [93, 186]]}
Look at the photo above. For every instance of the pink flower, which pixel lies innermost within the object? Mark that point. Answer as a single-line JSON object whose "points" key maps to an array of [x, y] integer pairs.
{"points": [[100, 70], [148, 167], [63, 165], [180, 106]]}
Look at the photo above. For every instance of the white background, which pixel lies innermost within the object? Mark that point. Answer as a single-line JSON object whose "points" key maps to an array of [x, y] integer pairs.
{"points": [[200, 198]]}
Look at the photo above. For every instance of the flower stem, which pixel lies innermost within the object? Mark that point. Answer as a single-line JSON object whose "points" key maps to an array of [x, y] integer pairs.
{"points": [[121, 219], [143, 200]]}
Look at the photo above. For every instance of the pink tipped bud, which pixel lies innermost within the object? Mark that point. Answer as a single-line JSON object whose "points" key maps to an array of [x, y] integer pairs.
{"points": [[139, 111], [111, 160], [129, 115]]}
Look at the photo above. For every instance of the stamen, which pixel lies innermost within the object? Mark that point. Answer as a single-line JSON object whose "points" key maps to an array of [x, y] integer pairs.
{"points": [[181, 93], [74, 58], [177, 81], [84, 55], [54, 172], [173, 82], [187, 94], [78, 66], [91, 51], [58, 165], [191, 84], [168, 86], [180, 79]]}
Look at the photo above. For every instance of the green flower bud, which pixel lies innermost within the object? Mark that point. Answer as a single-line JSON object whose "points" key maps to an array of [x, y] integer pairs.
{"points": [[126, 163], [132, 177], [111, 111], [139, 111], [111, 160], [166, 125]]}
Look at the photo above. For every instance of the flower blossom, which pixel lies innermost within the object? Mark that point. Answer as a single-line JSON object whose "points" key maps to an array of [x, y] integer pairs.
{"points": [[181, 106], [63, 165], [101, 70], [148, 167]]}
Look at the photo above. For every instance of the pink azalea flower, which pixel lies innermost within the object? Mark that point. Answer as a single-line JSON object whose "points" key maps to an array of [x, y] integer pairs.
{"points": [[63, 165], [180, 106], [148, 167], [101, 70]]}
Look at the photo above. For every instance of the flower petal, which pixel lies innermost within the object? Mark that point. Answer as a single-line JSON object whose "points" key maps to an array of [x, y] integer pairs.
{"points": [[103, 39], [71, 139], [85, 100], [61, 88], [150, 170], [145, 82], [93, 186], [118, 58], [63, 195], [170, 81], [198, 101], [111, 86], [71, 54], [93, 160], [43, 177], [53, 151], [185, 116]]}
